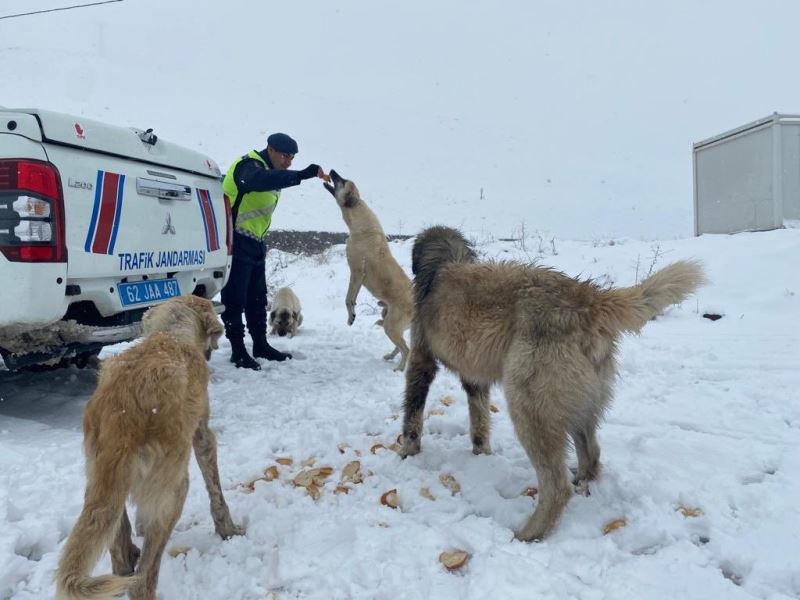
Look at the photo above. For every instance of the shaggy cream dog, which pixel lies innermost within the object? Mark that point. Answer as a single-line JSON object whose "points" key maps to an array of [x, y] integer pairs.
{"points": [[550, 340], [148, 412]]}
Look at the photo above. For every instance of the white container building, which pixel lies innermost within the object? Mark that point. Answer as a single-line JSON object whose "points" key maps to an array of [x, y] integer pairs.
{"points": [[748, 179]]}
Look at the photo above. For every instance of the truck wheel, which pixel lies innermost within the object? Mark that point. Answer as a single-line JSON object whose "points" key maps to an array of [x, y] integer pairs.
{"points": [[89, 359]]}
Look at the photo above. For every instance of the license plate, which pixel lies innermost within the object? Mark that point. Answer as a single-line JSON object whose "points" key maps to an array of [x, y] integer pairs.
{"points": [[148, 292]]}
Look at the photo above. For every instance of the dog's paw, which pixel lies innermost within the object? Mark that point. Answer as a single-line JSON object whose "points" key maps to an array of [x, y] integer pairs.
{"points": [[125, 564], [410, 448], [524, 536], [229, 530], [484, 448], [582, 487], [351, 318]]}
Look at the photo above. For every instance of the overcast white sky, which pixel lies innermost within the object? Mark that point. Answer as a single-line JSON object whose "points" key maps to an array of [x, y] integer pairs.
{"points": [[572, 117]]}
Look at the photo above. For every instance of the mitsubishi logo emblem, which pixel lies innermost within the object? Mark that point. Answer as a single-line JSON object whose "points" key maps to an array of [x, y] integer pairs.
{"points": [[168, 226]]}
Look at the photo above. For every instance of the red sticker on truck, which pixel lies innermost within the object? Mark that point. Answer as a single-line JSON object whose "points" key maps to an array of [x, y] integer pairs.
{"points": [[209, 220], [102, 234]]}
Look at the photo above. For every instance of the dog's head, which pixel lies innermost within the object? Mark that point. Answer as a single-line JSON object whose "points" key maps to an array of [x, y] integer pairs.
{"points": [[344, 190], [283, 320], [189, 319], [434, 248]]}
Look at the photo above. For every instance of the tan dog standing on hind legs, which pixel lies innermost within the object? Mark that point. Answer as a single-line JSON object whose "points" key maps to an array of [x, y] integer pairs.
{"points": [[148, 412], [549, 339], [373, 266]]}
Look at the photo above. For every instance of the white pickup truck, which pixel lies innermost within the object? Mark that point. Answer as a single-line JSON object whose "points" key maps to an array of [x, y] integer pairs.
{"points": [[97, 223]]}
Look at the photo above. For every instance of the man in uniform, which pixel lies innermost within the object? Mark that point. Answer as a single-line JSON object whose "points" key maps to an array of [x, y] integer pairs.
{"points": [[252, 186]]}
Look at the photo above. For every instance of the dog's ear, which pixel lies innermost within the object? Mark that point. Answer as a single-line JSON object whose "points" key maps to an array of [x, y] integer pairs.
{"points": [[350, 195], [213, 341], [213, 327], [294, 315]]}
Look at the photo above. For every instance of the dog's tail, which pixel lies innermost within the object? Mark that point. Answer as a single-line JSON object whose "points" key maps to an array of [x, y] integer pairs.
{"points": [[434, 248], [384, 310], [629, 309], [108, 484]]}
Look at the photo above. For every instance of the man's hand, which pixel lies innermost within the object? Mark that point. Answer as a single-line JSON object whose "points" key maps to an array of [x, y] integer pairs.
{"points": [[310, 171], [313, 170]]}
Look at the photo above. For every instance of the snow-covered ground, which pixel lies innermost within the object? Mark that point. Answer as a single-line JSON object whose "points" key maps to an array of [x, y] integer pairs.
{"points": [[706, 419]]}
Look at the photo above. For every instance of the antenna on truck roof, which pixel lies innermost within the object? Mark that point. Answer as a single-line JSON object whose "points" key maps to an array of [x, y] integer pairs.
{"points": [[38, 12]]}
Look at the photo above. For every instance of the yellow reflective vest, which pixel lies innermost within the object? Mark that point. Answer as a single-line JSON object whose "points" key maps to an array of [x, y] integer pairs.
{"points": [[256, 208]]}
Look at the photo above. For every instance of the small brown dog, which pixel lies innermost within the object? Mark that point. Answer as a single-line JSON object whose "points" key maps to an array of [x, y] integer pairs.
{"points": [[549, 339], [285, 314], [373, 266], [150, 408]]}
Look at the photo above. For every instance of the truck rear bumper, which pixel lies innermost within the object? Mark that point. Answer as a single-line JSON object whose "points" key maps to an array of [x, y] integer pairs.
{"points": [[120, 333], [63, 339]]}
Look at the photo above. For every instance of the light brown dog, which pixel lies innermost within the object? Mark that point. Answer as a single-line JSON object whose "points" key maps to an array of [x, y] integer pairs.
{"points": [[373, 266], [549, 339], [150, 408], [285, 314]]}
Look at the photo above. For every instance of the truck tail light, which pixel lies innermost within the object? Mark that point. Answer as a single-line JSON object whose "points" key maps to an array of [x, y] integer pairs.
{"points": [[228, 226], [31, 212]]}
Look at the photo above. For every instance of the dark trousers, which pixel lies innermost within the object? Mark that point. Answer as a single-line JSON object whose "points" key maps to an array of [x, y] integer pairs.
{"points": [[246, 290]]}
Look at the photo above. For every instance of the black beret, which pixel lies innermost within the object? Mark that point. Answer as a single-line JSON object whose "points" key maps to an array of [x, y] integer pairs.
{"points": [[282, 143]]}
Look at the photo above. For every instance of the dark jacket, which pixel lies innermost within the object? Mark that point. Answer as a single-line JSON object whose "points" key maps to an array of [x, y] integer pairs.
{"points": [[251, 176]]}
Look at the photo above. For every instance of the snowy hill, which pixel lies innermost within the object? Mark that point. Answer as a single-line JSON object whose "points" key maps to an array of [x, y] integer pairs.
{"points": [[705, 421]]}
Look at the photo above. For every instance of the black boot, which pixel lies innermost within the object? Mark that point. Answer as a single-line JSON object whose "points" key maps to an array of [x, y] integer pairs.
{"points": [[262, 349], [241, 358]]}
